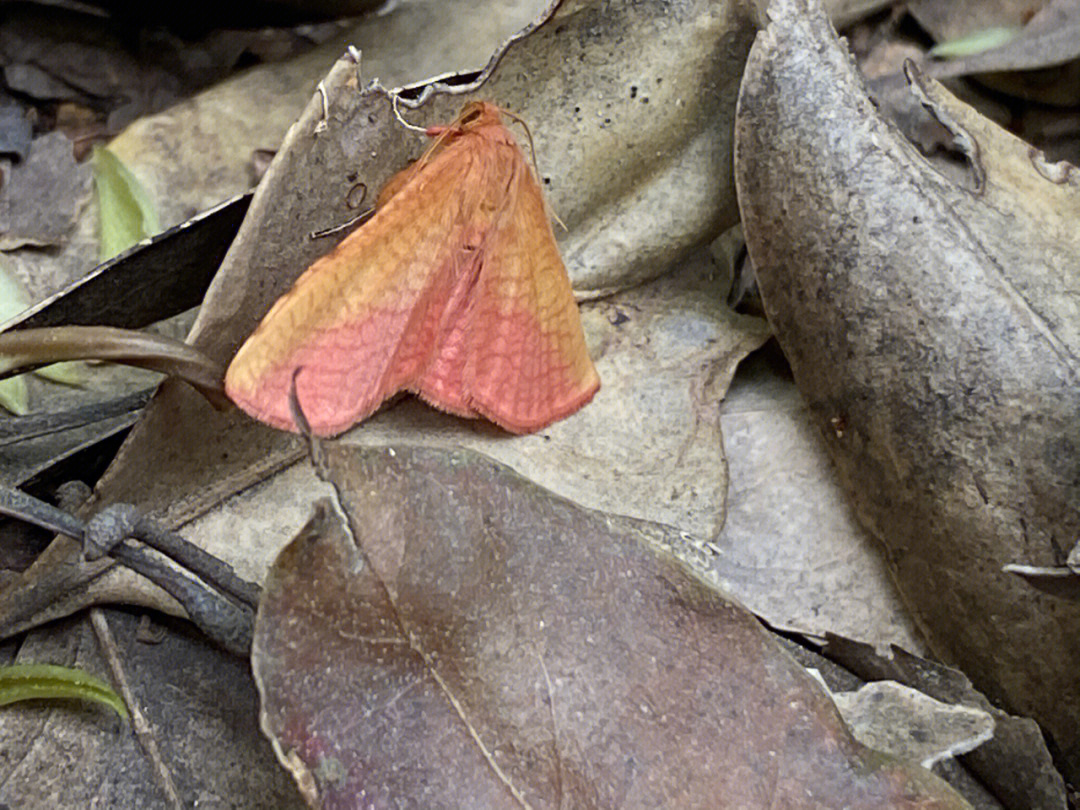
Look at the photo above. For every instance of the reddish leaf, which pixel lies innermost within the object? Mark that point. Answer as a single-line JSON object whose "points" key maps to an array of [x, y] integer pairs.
{"points": [[494, 646]]}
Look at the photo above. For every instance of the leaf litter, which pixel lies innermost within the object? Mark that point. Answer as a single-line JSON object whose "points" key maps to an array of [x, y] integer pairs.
{"points": [[196, 508]]}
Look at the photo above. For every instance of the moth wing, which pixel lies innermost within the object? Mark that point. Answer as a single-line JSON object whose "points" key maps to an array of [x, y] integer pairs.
{"points": [[442, 382], [360, 323], [528, 365]]}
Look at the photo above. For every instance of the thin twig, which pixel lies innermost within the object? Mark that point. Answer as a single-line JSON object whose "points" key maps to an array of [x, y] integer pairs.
{"points": [[343, 226], [144, 732]]}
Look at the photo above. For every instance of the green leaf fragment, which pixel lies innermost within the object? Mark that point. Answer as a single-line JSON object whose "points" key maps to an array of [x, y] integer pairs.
{"points": [[976, 42], [49, 681], [13, 298], [70, 372], [14, 395], [127, 213]]}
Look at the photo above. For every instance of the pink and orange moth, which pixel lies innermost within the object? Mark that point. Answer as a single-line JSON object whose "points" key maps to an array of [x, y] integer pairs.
{"points": [[453, 290]]}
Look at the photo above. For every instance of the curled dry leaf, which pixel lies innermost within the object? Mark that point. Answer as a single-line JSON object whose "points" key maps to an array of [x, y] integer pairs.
{"points": [[484, 644], [933, 331]]}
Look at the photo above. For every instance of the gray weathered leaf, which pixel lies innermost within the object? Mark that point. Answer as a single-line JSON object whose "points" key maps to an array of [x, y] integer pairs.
{"points": [[905, 722], [183, 459], [42, 196], [1014, 764], [934, 333], [791, 549]]}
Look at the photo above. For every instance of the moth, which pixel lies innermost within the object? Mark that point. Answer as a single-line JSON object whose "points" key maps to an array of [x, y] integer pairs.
{"points": [[453, 290]]}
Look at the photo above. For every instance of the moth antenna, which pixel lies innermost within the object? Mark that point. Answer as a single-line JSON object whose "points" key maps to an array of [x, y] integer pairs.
{"points": [[434, 144], [536, 168], [397, 114], [528, 134], [556, 217]]}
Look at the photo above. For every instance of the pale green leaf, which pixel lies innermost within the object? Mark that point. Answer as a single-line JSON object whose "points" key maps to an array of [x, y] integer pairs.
{"points": [[48, 681], [14, 395], [70, 372], [13, 298], [976, 42], [128, 215]]}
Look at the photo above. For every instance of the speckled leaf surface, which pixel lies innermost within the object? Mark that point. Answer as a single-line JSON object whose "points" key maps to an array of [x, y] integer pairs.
{"points": [[474, 641], [791, 549], [933, 331]]}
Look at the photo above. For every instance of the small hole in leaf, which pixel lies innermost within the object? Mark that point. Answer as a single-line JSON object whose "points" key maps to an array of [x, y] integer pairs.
{"points": [[356, 195]]}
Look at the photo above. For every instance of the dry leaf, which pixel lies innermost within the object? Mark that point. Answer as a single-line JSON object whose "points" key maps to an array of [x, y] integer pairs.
{"points": [[489, 645], [933, 331], [791, 549], [42, 196], [183, 459], [200, 705], [1014, 765], [905, 722]]}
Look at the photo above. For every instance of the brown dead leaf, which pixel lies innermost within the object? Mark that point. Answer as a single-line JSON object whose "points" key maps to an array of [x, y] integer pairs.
{"points": [[477, 642], [934, 333]]}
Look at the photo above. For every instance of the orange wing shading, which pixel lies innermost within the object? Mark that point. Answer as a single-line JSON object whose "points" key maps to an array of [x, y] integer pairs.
{"points": [[454, 290], [528, 365]]}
